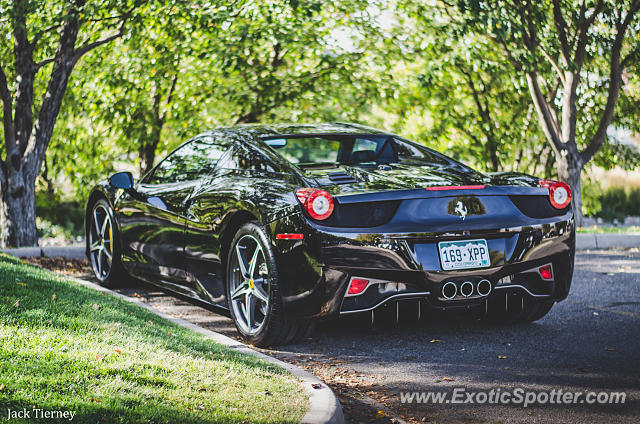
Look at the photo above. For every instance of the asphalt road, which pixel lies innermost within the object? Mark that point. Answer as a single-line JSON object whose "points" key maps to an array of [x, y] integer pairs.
{"points": [[588, 343]]}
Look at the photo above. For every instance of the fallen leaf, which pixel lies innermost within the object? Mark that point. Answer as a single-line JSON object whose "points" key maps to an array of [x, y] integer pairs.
{"points": [[447, 379], [610, 349], [95, 306], [150, 322], [435, 341], [502, 356], [98, 357], [380, 414], [1, 387], [117, 351], [94, 400], [21, 284], [16, 304], [316, 386]]}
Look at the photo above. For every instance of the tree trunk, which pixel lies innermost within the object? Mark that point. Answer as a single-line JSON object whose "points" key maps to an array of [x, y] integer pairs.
{"points": [[569, 171], [147, 154], [248, 118], [147, 150], [18, 213]]}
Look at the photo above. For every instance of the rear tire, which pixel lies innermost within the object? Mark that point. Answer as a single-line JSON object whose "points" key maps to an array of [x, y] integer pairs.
{"points": [[103, 245], [253, 292]]}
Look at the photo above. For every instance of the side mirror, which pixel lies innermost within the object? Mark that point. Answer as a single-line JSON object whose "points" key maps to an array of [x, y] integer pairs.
{"points": [[123, 180]]}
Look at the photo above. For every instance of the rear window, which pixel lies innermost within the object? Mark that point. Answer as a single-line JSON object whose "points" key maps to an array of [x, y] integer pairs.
{"points": [[352, 150]]}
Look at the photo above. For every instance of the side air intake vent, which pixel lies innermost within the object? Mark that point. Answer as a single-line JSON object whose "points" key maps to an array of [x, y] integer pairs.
{"points": [[341, 178]]}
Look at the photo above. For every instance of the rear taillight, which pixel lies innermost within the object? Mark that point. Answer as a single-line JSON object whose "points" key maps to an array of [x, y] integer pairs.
{"points": [[317, 203], [357, 286], [559, 193]]}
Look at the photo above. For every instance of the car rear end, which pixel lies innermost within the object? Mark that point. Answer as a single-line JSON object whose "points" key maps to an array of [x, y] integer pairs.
{"points": [[446, 247]]}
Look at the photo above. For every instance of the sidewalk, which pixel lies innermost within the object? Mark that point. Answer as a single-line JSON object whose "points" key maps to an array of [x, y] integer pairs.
{"points": [[583, 242], [607, 241]]}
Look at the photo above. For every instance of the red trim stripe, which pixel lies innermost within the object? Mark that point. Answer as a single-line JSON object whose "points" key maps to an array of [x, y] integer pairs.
{"points": [[463, 187], [289, 236]]}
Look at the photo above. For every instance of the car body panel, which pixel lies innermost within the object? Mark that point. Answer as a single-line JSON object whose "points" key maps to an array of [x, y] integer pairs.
{"points": [[391, 220]]}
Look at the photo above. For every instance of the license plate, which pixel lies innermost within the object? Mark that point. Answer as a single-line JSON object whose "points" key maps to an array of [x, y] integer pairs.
{"points": [[464, 254]]}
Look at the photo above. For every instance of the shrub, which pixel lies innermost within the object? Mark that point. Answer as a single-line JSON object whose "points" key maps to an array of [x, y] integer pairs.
{"points": [[58, 218]]}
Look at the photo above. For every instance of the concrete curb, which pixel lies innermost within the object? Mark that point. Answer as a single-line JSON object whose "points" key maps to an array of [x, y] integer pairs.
{"points": [[324, 406], [67, 252], [607, 241]]}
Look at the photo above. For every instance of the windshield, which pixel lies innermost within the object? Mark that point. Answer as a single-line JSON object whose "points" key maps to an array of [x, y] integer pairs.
{"points": [[353, 150]]}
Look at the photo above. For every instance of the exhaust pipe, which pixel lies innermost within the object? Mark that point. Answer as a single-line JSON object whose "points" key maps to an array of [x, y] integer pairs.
{"points": [[484, 287], [449, 290], [466, 288]]}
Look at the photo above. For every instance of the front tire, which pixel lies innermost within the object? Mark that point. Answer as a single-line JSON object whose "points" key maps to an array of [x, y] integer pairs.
{"points": [[253, 292], [103, 245]]}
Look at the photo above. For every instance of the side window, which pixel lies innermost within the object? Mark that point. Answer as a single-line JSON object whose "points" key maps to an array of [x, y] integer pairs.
{"points": [[364, 144], [241, 157], [193, 160]]}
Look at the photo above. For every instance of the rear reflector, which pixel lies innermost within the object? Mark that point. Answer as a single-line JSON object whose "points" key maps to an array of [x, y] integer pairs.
{"points": [[463, 187], [357, 286], [289, 236], [545, 272]]}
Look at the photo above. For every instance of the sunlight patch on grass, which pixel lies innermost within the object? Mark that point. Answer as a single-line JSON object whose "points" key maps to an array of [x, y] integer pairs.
{"points": [[67, 347]]}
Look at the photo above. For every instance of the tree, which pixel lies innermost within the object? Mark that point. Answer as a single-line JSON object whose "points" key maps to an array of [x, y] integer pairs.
{"points": [[183, 70], [273, 53], [48, 41], [153, 78], [573, 57], [473, 103]]}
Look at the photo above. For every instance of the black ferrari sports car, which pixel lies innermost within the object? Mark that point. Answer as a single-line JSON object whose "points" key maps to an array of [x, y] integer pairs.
{"points": [[282, 225]]}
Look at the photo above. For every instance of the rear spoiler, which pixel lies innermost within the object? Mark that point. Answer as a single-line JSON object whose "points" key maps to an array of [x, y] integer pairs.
{"points": [[440, 191]]}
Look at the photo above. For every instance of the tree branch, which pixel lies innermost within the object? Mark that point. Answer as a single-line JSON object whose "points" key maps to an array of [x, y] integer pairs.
{"points": [[87, 47], [554, 63], [561, 27], [40, 34], [615, 81], [25, 76], [514, 62], [64, 62], [584, 23], [632, 56], [542, 108], [7, 112], [44, 62], [172, 88]]}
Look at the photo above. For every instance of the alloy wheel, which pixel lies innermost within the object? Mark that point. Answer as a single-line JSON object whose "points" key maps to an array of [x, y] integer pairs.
{"points": [[101, 242], [249, 285]]}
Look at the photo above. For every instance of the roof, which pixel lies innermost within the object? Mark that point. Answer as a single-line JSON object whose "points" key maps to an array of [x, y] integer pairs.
{"points": [[274, 130]]}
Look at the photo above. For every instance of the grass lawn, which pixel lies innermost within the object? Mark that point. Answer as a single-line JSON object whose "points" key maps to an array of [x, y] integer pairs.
{"points": [[65, 347], [611, 229]]}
